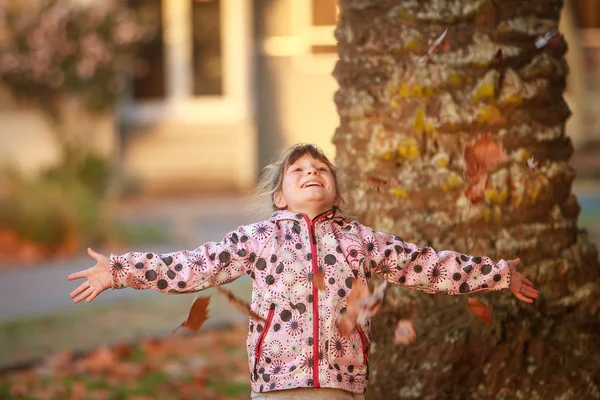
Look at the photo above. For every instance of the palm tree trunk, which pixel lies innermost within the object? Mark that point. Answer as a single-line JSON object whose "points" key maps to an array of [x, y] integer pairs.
{"points": [[410, 123]]}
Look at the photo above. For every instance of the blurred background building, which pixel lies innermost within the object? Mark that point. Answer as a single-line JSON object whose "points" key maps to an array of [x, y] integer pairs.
{"points": [[228, 83]]}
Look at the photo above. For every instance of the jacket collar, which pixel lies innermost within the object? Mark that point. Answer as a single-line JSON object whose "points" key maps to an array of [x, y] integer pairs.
{"points": [[332, 214]]}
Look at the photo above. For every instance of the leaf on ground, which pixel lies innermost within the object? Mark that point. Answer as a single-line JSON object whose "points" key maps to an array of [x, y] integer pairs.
{"points": [[197, 316], [479, 158], [404, 332], [480, 310], [361, 306], [100, 360]]}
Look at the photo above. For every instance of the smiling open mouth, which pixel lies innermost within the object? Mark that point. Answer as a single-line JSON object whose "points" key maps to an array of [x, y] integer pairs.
{"points": [[311, 183]]}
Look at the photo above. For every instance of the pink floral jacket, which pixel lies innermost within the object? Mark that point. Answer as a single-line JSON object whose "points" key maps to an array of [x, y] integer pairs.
{"points": [[299, 344]]}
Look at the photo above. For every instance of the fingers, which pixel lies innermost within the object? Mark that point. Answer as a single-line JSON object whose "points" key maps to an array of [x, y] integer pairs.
{"points": [[514, 263], [527, 282], [84, 295], [78, 275], [93, 254], [94, 295], [529, 292], [79, 289], [523, 298]]}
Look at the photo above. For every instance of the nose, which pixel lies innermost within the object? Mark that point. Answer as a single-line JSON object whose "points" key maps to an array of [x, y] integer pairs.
{"points": [[312, 171]]}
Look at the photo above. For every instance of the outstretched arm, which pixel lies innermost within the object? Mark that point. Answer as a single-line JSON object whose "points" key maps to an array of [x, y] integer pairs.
{"points": [[448, 272], [213, 263]]}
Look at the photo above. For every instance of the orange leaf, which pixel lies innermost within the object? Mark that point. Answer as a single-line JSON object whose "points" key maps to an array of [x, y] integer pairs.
{"points": [[404, 332], [475, 192], [198, 314], [479, 158], [361, 306], [320, 280], [480, 310]]}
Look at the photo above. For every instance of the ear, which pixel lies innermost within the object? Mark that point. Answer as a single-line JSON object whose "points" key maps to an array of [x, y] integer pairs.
{"points": [[337, 201], [279, 200]]}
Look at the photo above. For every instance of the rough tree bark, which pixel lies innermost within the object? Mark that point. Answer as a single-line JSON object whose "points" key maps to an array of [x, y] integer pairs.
{"points": [[409, 122]]}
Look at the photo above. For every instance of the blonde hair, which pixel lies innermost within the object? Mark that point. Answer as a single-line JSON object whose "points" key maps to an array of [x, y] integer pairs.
{"points": [[263, 202]]}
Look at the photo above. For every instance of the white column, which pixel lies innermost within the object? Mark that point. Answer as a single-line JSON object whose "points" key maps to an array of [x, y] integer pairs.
{"points": [[177, 18]]}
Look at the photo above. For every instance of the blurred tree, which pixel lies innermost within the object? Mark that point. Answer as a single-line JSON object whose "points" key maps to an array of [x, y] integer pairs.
{"points": [[408, 122], [70, 59]]}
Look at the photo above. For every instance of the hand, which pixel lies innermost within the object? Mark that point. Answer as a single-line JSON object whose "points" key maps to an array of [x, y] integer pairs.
{"points": [[520, 286], [98, 280]]}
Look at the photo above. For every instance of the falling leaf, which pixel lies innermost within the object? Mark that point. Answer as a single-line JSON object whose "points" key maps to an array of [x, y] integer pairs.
{"points": [[480, 310], [380, 183], [432, 47], [445, 46], [532, 164], [361, 306], [198, 314], [238, 303], [320, 280], [499, 56], [551, 36], [479, 158], [404, 332]]}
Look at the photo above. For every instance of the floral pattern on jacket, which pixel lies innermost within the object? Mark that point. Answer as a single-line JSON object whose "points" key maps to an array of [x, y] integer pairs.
{"points": [[299, 344]]}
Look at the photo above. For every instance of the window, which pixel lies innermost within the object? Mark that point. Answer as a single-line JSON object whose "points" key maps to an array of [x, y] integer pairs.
{"points": [[325, 14], [206, 42], [149, 73]]}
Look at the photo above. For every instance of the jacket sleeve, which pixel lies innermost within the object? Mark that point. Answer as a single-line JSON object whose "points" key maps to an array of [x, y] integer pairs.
{"points": [[448, 272], [186, 271]]}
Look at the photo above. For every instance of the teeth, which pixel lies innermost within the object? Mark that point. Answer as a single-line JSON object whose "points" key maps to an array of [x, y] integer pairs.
{"points": [[307, 184]]}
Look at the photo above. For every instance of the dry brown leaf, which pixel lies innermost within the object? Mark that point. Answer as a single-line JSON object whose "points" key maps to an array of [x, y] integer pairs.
{"points": [[78, 391], [197, 316], [432, 47], [100, 360], [320, 280], [479, 158], [380, 183], [361, 306], [404, 332], [480, 310]]}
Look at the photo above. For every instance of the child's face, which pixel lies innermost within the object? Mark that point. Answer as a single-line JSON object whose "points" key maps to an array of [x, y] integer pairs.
{"points": [[308, 186]]}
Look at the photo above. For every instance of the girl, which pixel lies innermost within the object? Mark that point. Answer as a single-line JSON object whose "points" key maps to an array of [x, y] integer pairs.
{"points": [[297, 352]]}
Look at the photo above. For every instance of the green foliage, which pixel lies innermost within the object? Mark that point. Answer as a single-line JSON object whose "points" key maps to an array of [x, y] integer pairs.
{"points": [[63, 206]]}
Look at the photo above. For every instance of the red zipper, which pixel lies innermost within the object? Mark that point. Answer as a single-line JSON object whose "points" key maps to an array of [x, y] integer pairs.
{"points": [[364, 342], [261, 338], [315, 292]]}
